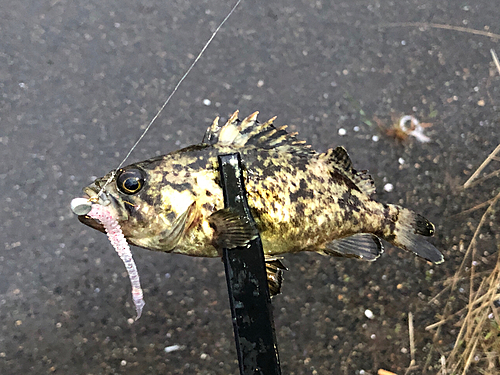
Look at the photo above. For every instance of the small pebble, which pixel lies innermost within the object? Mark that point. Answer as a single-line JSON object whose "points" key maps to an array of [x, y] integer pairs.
{"points": [[388, 187], [375, 138], [207, 102], [369, 314], [342, 131], [401, 161], [171, 348]]}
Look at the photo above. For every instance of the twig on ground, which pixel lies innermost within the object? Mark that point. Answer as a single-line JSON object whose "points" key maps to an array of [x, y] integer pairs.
{"points": [[495, 59], [472, 209], [441, 26], [481, 167], [412, 343]]}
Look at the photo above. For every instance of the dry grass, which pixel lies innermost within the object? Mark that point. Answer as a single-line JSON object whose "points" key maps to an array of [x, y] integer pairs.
{"points": [[478, 339], [477, 344]]}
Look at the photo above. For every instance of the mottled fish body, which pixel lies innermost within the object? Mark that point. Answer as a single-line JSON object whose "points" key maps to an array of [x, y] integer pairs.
{"points": [[300, 200]]}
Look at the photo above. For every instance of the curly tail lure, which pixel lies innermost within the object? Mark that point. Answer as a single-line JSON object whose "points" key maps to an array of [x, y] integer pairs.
{"points": [[82, 206], [99, 212]]}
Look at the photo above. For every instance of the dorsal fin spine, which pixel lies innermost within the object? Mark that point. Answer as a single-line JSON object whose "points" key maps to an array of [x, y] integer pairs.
{"points": [[251, 118], [233, 118]]}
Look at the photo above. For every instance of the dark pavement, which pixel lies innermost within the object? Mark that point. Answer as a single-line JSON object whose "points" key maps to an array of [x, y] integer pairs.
{"points": [[80, 79]]}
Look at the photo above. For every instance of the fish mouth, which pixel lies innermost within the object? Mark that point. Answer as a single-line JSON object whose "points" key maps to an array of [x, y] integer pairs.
{"points": [[97, 195], [91, 192]]}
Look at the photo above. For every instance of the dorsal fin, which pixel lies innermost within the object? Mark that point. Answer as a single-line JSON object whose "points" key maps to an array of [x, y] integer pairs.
{"points": [[249, 132], [212, 134], [339, 159]]}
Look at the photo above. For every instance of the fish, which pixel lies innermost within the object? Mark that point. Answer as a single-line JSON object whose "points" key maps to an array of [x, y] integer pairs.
{"points": [[300, 200]]}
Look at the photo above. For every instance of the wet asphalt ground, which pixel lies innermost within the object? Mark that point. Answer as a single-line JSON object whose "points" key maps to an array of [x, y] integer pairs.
{"points": [[80, 79]]}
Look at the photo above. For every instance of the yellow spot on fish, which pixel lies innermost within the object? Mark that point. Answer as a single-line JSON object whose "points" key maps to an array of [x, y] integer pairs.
{"points": [[179, 200], [320, 219], [205, 226], [205, 182]]}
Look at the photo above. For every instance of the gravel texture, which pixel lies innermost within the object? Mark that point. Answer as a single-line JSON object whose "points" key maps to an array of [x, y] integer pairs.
{"points": [[80, 79]]}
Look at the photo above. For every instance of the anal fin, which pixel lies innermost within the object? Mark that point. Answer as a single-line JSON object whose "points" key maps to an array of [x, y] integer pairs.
{"points": [[230, 229], [274, 271], [364, 246]]}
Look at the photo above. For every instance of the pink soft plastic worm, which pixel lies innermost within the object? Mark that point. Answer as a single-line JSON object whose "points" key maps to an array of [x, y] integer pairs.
{"points": [[121, 246]]}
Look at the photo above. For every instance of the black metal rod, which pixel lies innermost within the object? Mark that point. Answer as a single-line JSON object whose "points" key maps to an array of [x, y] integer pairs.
{"points": [[247, 284]]}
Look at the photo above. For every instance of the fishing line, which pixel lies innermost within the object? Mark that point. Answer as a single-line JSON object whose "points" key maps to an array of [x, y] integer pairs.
{"points": [[170, 96]]}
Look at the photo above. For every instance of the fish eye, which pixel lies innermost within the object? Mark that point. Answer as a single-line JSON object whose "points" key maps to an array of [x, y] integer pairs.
{"points": [[130, 181]]}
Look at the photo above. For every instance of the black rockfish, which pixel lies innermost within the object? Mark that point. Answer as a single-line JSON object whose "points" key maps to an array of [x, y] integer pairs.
{"points": [[300, 200]]}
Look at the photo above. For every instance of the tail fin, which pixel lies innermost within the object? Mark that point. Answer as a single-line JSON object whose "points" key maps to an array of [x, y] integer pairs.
{"points": [[407, 230]]}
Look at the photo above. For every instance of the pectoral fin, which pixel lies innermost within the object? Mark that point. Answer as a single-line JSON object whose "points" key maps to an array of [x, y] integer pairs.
{"points": [[230, 229], [171, 237], [364, 246], [274, 270]]}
